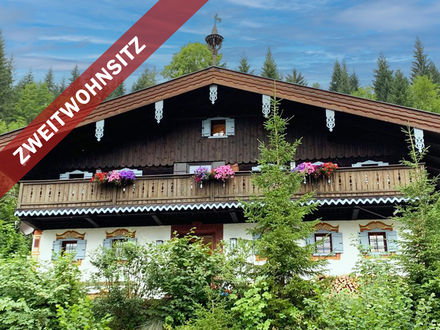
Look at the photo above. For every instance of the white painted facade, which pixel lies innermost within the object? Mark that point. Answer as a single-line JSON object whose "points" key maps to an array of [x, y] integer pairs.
{"points": [[95, 237]]}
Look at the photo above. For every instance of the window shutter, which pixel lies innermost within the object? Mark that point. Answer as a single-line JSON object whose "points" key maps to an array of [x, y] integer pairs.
{"points": [[206, 128], [338, 246], [230, 126], [180, 168], [64, 176], [217, 164], [391, 241], [311, 239], [56, 247], [80, 249], [107, 243], [363, 240], [256, 236]]}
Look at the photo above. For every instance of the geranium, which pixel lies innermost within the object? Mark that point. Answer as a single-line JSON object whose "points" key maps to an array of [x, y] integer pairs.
{"points": [[327, 169], [114, 177], [99, 177], [202, 174], [223, 172], [127, 177]]}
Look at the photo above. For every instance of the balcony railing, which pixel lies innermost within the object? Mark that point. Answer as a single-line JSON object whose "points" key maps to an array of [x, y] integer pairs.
{"points": [[345, 182]]}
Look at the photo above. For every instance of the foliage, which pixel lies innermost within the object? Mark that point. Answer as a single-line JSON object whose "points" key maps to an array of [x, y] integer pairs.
{"points": [[33, 99], [425, 94], [171, 279], [80, 317], [342, 81], [119, 91], [269, 69], [354, 82], [420, 64], [146, 79], [31, 292], [49, 80], [365, 92], [245, 66], [192, 57], [383, 79], [7, 91], [420, 234], [316, 85], [336, 77], [296, 78], [74, 74], [400, 93]]}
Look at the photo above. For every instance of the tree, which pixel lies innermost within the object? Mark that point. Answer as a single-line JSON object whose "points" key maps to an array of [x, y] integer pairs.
{"points": [[399, 93], [420, 64], [420, 235], [316, 85], [119, 91], [146, 79], [50, 82], [245, 66], [336, 77], [74, 74], [383, 79], [61, 86], [425, 94], [269, 69], [7, 92], [434, 73], [366, 92], [33, 99], [296, 78], [279, 224], [344, 82], [354, 82], [192, 57], [27, 79]]}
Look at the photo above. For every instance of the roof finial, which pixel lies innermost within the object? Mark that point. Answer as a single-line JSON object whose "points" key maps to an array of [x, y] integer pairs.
{"points": [[214, 40]]}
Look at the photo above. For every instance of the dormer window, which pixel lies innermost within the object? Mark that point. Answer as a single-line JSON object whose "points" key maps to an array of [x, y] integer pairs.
{"points": [[218, 127]]}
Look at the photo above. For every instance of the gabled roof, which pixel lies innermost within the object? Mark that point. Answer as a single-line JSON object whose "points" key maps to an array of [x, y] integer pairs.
{"points": [[223, 77]]}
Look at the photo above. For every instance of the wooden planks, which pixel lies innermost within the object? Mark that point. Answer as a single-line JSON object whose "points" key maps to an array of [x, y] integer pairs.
{"points": [[345, 182]]}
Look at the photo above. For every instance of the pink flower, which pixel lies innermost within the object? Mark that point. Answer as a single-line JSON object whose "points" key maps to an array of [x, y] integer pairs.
{"points": [[223, 172], [114, 177]]}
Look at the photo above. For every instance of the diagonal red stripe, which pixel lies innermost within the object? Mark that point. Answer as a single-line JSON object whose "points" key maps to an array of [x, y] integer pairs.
{"points": [[125, 56]]}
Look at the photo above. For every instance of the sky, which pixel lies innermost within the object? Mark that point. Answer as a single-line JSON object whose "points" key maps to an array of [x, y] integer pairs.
{"points": [[308, 34]]}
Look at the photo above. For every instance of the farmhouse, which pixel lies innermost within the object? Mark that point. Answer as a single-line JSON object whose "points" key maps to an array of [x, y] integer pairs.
{"points": [[211, 118]]}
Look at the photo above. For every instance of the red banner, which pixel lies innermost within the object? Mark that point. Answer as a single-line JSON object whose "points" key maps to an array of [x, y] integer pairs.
{"points": [[92, 87]]}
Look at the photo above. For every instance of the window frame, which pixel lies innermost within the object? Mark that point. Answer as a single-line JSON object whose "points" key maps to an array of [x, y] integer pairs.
{"points": [[378, 227], [229, 127], [322, 245], [337, 241]]}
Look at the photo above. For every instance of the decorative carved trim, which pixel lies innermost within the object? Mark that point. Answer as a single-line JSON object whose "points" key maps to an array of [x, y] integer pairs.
{"points": [[70, 234], [419, 139], [36, 244], [99, 130], [375, 225], [120, 232], [327, 227], [158, 114], [213, 93], [330, 119], [266, 105]]}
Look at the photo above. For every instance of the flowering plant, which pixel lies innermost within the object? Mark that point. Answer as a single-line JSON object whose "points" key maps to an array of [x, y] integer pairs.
{"points": [[99, 177], [202, 174], [223, 172], [306, 168], [127, 177], [327, 169], [114, 177]]}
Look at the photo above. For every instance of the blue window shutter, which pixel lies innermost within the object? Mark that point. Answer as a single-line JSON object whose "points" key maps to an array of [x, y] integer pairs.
{"points": [[56, 247], [107, 243], [391, 241], [206, 128], [230, 126], [363, 240], [80, 249], [311, 239], [338, 246]]}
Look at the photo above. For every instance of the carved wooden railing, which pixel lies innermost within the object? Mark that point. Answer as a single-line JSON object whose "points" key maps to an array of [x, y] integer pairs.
{"points": [[345, 183]]}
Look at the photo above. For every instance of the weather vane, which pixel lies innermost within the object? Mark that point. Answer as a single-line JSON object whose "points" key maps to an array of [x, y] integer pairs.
{"points": [[214, 40]]}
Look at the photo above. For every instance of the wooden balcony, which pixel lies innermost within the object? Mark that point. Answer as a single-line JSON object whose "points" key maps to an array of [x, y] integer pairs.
{"points": [[345, 183]]}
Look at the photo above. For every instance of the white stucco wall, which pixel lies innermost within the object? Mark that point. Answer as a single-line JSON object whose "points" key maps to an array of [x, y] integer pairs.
{"points": [[95, 237]]}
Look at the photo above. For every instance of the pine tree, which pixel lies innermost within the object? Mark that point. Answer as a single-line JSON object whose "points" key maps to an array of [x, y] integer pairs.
{"points": [[146, 79], [336, 77], [344, 83], [119, 91], [434, 73], [316, 85], [269, 69], [27, 79], [383, 79], [420, 64], [33, 99], [354, 82], [296, 78], [7, 91], [74, 74], [50, 82], [245, 66], [61, 86], [400, 93]]}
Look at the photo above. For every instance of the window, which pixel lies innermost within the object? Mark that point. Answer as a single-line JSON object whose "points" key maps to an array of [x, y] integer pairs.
{"points": [[70, 242], [117, 237], [325, 243], [378, 237], [218, 127], [328, 238], [189, 168]]}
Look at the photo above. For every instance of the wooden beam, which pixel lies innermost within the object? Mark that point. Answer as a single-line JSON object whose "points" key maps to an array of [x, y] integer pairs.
{"points": [[156, 219], [355, 213], [234, 216], [92, 221]]}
